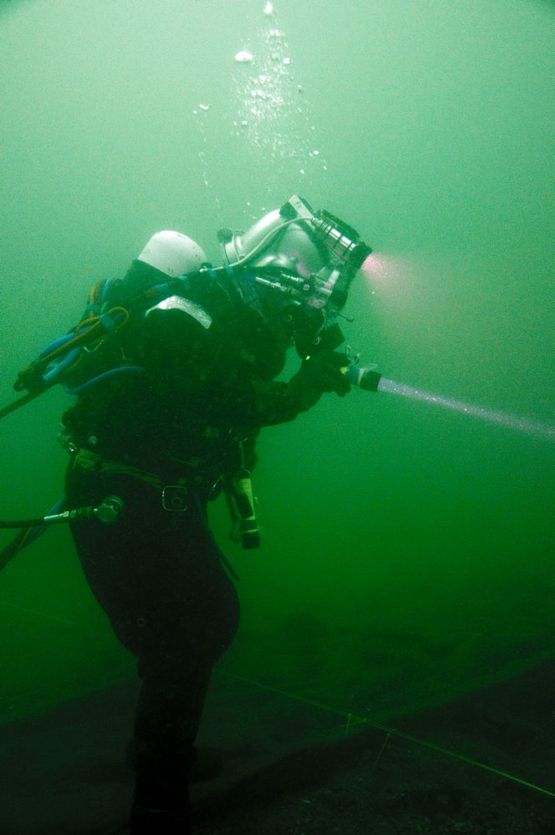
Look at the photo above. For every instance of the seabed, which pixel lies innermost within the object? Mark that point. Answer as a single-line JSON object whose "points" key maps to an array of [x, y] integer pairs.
{"points": [[482, 763]]}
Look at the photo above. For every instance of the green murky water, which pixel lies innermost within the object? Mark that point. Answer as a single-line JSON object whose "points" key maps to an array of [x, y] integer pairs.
{"points": [[408, 550]]}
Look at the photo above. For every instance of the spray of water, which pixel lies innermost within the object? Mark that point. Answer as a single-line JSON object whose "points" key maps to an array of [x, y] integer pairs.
{"points": [[513, 422]]}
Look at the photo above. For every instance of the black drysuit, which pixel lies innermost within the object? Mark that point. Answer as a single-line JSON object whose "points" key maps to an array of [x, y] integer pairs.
{"points": [[158, 573]]}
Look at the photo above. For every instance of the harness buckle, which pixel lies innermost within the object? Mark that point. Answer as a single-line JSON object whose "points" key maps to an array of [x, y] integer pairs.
{"points": [[175, 498]]}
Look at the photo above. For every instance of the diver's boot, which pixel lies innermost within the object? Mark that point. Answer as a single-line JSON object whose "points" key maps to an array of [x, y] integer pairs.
{"points": [[161, 804], [206, 763], [147, 821]]}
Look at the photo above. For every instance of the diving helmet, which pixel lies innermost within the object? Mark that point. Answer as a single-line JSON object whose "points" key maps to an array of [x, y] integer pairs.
{"points": [[173, 253], [309, 256]]}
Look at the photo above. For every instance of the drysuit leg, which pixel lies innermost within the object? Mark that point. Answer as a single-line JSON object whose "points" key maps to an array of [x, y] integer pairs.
{"points": [[159, 577]]}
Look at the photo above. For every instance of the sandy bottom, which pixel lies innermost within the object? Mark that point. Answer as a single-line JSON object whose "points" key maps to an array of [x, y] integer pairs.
{"points": [[295, 769]]}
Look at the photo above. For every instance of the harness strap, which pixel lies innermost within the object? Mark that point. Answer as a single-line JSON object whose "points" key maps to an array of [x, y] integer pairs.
{"points": [[91, 462]]}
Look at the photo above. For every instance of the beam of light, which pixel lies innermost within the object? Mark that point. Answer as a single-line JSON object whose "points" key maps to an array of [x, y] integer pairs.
{"points": [[513, 422]]}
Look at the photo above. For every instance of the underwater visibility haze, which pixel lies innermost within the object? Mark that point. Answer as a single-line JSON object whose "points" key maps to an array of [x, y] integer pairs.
{"points": [[407, 534]]}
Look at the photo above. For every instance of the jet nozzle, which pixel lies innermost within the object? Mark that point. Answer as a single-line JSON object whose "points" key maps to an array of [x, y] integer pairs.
{"points": [[365, 378]]}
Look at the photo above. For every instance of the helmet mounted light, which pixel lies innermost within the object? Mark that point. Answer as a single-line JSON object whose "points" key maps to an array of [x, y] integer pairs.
{"points": [[341, 240]]}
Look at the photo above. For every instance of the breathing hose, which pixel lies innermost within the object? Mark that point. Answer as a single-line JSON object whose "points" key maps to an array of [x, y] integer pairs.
{"points": [[107, 512]]}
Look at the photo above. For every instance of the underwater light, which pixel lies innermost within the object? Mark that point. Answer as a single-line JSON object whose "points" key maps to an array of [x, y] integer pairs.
{"points": [[512, 422]]}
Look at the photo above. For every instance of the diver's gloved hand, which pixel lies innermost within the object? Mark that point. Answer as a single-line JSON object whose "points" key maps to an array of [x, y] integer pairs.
{"points": [[321, 372]]}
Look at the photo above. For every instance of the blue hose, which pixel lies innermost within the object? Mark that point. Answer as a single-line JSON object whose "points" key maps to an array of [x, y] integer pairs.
{"points": [[61, 340], [133, 369], [50, 376], [107, 284]]}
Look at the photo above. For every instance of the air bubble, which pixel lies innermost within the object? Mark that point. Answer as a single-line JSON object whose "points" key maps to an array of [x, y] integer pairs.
{"points": [[269, 9], [244, 57]]}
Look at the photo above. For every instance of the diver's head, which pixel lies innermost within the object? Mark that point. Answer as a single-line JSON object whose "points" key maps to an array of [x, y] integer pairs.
{"points": [[301, 264], [173, 254]]}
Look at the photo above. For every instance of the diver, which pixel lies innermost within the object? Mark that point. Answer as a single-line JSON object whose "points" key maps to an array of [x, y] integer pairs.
{"points": [[174, 370]]}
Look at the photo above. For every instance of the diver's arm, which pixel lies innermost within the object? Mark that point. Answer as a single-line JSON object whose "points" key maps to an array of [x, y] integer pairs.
{"points": [[281, 402], [266, 403]]}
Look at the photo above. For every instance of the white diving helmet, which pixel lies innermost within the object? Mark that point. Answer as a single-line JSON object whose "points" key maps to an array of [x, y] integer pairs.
{"points": [[173, 254]]}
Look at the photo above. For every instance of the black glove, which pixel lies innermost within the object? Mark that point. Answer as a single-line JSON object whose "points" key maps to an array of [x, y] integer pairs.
{"points": [[321, 372]]}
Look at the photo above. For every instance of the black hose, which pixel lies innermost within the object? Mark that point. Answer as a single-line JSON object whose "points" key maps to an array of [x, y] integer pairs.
{"points": [[22, 523], [20, 402], [11, 549]]}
